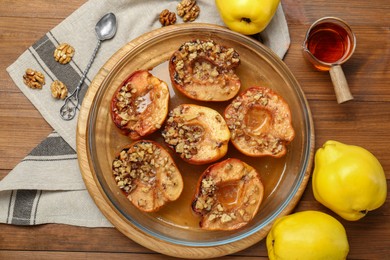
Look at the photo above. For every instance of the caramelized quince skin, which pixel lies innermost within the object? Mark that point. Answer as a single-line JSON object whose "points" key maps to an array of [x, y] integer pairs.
{"points": [[140, 105]]}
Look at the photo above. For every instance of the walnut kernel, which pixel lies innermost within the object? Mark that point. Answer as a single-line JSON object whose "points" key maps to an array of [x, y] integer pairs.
{"points": [[167, 17], [34, 79], [58, 90], [63, 53], [182, 137], [188, 10]]}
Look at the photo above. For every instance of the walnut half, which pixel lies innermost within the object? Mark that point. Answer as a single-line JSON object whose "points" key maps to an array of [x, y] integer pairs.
{"points": [[188, 10], [167, 18], [63, 53], [58, 90], [34, 79]]}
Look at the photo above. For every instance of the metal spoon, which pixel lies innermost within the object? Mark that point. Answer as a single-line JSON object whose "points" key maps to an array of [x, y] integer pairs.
{"points": [[105, 29]]}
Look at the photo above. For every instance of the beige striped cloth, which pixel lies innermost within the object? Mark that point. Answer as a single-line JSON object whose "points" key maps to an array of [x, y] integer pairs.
{"points": [[46, 186]]}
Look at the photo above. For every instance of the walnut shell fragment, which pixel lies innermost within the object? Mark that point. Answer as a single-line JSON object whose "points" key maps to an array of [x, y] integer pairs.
{"points": [[58, 90], [205, 70], [228, 195], [198, 134], [34, 79], [147, 174], [260, 123], [63, 53], [140, 104]]}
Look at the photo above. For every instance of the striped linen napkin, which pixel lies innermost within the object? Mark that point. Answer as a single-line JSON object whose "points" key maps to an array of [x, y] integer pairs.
{"points": [[46, 186]]}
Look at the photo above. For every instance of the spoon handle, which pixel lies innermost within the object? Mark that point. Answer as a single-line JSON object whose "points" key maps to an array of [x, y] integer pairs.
{"points": [[68, 110], [89, 64]]}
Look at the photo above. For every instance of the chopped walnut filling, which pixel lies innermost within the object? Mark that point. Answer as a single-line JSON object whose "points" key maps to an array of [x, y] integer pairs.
{"points": [[259, 123], [181, 136], [139, 163], [206, 200], [147, 175], [199, 64], [224, 60], [128, 107], [228, 196], [140, 104], [206, 203]]}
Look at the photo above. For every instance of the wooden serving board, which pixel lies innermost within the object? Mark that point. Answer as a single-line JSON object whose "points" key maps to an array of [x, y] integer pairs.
{"points": [[111, 212]]}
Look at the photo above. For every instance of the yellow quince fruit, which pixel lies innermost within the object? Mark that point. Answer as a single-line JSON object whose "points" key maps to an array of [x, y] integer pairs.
{"points": [[247, 16], [348, 179], [309, 235]]}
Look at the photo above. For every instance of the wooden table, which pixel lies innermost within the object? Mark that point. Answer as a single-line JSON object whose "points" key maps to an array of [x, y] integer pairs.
{"points": [[365, 121]]}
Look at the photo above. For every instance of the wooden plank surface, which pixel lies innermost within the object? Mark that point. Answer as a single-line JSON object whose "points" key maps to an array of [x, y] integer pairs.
{"points": [[364, 121]]}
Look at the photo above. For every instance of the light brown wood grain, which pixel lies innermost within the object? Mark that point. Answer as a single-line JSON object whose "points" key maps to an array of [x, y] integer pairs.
{"points": [[365, 121], [11, 255]]}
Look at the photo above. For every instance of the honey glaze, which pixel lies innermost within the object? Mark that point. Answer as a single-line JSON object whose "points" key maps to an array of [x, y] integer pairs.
{"points": [[229, 194], [257, 120], [329, 42], [179, 213]]}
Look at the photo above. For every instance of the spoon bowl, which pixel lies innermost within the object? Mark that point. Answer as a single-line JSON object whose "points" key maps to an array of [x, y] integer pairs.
{"points": [[106, 27]]}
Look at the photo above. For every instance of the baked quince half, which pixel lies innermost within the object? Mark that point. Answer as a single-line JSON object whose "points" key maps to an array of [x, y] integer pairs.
{"points": [[198, 134], [147, 174], [260, 123], [228, 195], [140, 105], [205, 70]]}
